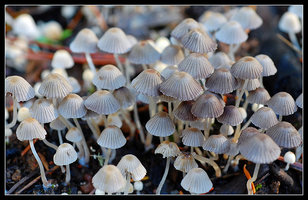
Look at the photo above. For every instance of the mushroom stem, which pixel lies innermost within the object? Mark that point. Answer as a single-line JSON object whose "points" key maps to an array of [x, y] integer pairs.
{"points": [[253, 178], [127, 184], [68, 174], [119, 64], [246, 102], [90, 63], [127, 66], [93, 129], [14, 120], [81, 151], [131, 125], [294, 40], [238, 132], [170, 110], [287, 167], [239, 98], [105, 120], [206, 128], [261, 81], [138, 123], [231, 52], [152, 107], [60, 137], [280, 118], [43, 176], [160, 186], [210, 162], [107, 156], [83, 142], [228, 164], [50, 144]]}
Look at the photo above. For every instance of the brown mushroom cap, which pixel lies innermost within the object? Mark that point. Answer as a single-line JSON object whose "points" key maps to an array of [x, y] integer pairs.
{"points": [[185, 162]]}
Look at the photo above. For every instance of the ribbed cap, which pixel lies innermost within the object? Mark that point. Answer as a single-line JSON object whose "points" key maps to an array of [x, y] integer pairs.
{"points": [[114, 119], [72, 106], [233, 149], [165, 98], [220, 58], [198, 41], [299, 100], [125, 97], [114, 41], [197, 181], [181, 86], [184, 27], [252, 84], [268, 65], [109, 77], [143, 53], [231, 33], [248, 18], [185, 162], [30, 129], [247, 68], [75, 84], [167, 149], [172, 55], [73, 135], [282, 103], [131, 164], [43, 111], [264, 118], [19, 88], [132, 40], [160, 125], [289, 22], [212, 20], [217, 144], [221, 81], [57, 124], [23, 113], [65, 155], [260, 148], [197, 65], [147, 82], [192, 137], [55, 86], [84, 42], [247, 133], [62, 59], [231, 116], [285, 135], [111, 137], [183, 111], [102, 102], [207, 106], [168, 71], [259, 96], [109, 179]]}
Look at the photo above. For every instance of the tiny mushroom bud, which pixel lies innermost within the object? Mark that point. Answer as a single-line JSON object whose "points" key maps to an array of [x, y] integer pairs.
{"points": [[289, 158]]}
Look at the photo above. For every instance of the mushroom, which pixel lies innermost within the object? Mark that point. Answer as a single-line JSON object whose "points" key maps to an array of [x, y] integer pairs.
{"points": [[65, 155], [289, 158], [212, 20], [268, 65], [23, 113], [172, 55], [185, 162], [299, 100], [74, 135], [248, 18], [219, 59], [58, 125], [75, 84], [184, 27], [138, 186], [192, 137], [24, 25], [62, 59]]}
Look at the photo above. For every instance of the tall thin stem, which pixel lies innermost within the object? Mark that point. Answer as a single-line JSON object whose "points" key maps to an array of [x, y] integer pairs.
{"points": [[127, 184], [107, 156], [50, 144], [210, 162], [90, 63], [253, 178], [294, 40], [83, 142], [60, 137], [14, 120], [138, 123], [160, 186], [239, 98], [127, 67], [68, 174], [119, 64]]}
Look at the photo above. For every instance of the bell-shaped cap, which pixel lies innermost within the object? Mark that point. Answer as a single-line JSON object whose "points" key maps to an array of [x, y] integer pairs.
{"points": [[184, 27], [264, 118], [75, 84], [212, 20], [282, 103], [207, 106], [65, 155], [43, 110], [289, 23], [192, 137], [30, 129], [72, 106], [57, 124], [160, 125], [217, 144], [131, 164], [231, 116], [125, 97], [183, 111], [268, 65], [19, 88], [62, 59], [143, 53], [73, 135], [167, 149], [112, 138], [172, 55], [197, 181], [231, 33], [185, 162], [248, 18], [220, 58], [84, 42], [299, 100], [247, 68], [259, 96]]}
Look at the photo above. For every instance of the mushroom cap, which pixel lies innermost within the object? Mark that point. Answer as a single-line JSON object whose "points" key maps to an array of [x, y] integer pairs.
{"points": [[199, 124], [73, 135], [282, 103], [55, 86], [75, 84], [247, 133], [289, 157], [217, 144], [264, 118], [87, 75], [109, 77], [90, 114], [198, 41], [259, 96], [299, 100], [268, 65], [65, 155], [197, 181], [221, 81], [57, 124], [259, 148], [112, 138], [138, 185], [172, 55], [233, 149], [160, 125], [147, 82], [60, 71], [125, 97], [297, 10], [184, 27], [102, 102], [114, 41], [72, 106], [24, 25], [165, 98], [185, 162], [207, 106], [231, 116], [30, 129], [231, 33], [183, 111], [84, 42], [168, 71], [62, 59], [243, 112], [109, 179], [43, 110], [248, 18], [197, 65], [143, 53], [114, 119], [132, 40], [167, 149], [23, 113], [220, 58], [131, 164], [212, 20], [181, 86], [226, 129], [252, 84], [289, 23], [192, 137], [19, 88], [285, 135], [246, 68]]}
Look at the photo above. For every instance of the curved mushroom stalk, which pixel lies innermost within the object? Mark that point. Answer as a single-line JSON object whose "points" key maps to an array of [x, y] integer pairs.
{"points": [[210, 162], [160, 186], [253, 178]]}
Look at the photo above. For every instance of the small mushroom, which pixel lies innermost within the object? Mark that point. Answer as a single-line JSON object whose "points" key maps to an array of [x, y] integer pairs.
{"points": [[289, 158]]}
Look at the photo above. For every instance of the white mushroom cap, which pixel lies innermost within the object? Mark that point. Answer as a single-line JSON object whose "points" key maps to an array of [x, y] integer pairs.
{"points": [[185, 162], [247, 68], [84, 42], [131, 164], [172, 55], [220, 58], [264, 118], [167, 149], [268, 65], [182, 28], [197, 181], [75, 84], [65, 155], [297, 10], [282, 103], [114, 119], [30, 129], [144, 52], [8, 132], [289, 23], [24, 25], [289, 157], [111, 137], [87, 75], [217, 144], [212, 20], [192, 137], [73, 135], [168, 71], [160, 125], [72, 106], [62, 59], [43, 110], [231, 33], [248, 18], [299, 100], [52, 30], [109, 179], [226, 129], [125, 96], [19, 88], [23, 113], [138, 185], [57, 124]]}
